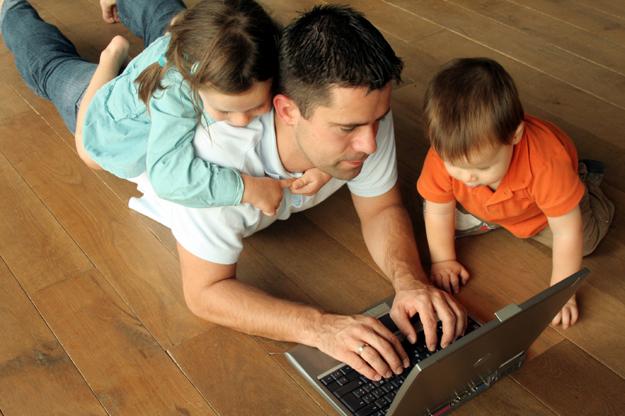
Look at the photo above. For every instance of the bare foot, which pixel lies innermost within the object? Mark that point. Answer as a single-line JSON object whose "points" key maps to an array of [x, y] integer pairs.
{"points": [[116, 52]]}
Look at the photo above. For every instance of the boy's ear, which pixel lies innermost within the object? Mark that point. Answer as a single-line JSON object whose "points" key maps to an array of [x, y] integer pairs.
{"points": [[518, 133], [286, 109]]}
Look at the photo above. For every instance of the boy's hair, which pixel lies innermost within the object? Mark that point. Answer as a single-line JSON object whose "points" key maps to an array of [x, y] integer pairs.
{"points": [[333, 46], [227, 44], [472, 103]]}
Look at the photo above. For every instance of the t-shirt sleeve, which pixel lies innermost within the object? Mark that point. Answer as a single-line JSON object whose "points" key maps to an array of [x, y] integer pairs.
{"points": [[379, 172], [176, 173], [434, 183], [557, 187]]}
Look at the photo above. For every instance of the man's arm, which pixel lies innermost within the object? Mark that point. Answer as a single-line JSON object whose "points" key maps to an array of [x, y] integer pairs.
{"points": [[213, 293], [387, 231]]}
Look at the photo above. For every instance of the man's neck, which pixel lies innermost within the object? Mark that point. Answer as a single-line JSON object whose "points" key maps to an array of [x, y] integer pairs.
{"points": [[291, 156]]}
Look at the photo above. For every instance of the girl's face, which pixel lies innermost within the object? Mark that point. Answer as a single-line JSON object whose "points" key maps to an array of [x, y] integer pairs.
{"points": [[237, 109]]}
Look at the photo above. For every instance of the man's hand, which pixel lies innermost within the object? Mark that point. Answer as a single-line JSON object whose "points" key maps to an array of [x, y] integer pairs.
{"points": [[431, 304], [264, 193], [363, 343], [568, 315], [109, 11], [449, 275]]}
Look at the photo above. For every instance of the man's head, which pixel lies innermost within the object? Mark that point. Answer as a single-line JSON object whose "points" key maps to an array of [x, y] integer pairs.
{"points": [[336, 71], [473, 118]]}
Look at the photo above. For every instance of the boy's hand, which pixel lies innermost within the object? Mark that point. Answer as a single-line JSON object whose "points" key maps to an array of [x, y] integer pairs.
{"points": [[449, 275], [109, 11], [264, 193], [310, 183], [568, 315]]}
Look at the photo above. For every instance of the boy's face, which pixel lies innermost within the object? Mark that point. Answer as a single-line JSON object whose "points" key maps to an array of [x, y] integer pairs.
{"points": [[486, 167]]}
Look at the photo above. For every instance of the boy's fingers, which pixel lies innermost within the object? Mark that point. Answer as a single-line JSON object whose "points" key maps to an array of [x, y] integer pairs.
{"points": [[455, 283], [464, 274]]}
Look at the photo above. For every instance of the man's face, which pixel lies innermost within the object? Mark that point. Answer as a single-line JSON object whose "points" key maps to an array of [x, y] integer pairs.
{"points": [[337, 138]]}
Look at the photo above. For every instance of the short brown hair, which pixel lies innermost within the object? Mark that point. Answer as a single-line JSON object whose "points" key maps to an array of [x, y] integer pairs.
{"points": [[333, 46], [471, 103]]}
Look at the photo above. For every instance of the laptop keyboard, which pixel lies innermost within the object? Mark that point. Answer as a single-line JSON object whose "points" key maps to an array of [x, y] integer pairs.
{"points": [[364, 397]]}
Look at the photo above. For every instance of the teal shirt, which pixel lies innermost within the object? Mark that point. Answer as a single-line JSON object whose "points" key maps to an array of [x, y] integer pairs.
{"points": [[125, 139]]}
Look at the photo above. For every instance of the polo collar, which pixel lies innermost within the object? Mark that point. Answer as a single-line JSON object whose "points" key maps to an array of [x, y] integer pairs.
{"points": [[515, 179]]}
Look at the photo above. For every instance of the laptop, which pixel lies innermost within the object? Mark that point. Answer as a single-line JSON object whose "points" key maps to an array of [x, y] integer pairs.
{"points": [[438, 382]]}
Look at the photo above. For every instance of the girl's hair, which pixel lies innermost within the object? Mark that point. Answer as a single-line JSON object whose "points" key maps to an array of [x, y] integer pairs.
{"points": [[227, 44], [472, 103]]}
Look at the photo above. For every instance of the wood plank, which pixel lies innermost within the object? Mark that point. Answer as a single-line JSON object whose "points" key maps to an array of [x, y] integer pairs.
{"points": [[226, 366], [36, 375], [504, 398], [112, 237], [571, 382], [594, 21], [125, 366], [528, 49], [552, 30], [320, 266], [31, 241], [608, 7]]}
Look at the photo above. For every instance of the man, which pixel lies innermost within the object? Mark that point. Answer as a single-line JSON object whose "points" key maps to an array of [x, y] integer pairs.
{"points": [[333, 113]]}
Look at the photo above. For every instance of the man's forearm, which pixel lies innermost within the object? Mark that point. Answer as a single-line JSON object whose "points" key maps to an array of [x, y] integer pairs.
{"points": [[247, 309], [390, 240]]}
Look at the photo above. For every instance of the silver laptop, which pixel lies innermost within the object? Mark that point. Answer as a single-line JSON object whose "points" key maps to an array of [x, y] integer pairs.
{"points": [[440, 381]]}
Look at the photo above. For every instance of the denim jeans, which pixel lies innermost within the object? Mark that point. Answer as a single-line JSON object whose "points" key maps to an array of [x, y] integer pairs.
{"points": [[49, 63]]}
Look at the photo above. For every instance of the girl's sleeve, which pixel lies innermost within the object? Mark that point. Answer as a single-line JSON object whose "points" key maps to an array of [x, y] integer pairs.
{"points": [[174, 170]]}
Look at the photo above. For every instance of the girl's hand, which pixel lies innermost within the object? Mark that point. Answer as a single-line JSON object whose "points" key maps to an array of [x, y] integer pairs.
{"points": [[264, 193], [109, 11], [449, 275], [310, 183], [568, 315]]}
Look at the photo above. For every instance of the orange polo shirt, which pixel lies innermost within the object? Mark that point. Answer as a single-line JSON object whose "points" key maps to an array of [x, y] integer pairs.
{"points": [[541, 182]]}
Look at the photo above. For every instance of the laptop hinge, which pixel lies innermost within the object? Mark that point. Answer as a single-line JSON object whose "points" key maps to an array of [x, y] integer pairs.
{"points": [[507, 312]]}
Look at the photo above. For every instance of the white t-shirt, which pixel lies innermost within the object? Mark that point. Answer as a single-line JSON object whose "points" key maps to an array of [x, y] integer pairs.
{"points": [[216, 234]]}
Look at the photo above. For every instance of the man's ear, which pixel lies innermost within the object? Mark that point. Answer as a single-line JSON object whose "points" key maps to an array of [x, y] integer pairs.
{"points": [[286, 109], [518, 133]]}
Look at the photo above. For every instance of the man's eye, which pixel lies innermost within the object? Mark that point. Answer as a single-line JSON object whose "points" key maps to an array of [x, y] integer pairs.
{"points": [[348, 129]]}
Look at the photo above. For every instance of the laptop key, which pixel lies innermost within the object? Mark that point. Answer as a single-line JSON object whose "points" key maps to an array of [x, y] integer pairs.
{"points": [[352, 402], [347, 388], [367, 410]]}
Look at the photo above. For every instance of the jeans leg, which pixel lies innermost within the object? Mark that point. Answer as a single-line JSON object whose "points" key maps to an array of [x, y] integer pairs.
{"points": [[47, 61], [148, 19]]}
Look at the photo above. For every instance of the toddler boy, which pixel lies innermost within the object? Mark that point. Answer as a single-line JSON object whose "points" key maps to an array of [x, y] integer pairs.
{"points": [[506, 169]]}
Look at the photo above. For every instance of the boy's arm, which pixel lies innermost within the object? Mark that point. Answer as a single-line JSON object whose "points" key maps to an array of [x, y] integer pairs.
{"points": [[568, 241], [446, 273], [440, 227]]}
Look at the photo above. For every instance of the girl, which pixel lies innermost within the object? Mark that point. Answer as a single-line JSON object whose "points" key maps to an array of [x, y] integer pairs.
{"points": [[215, 63]]}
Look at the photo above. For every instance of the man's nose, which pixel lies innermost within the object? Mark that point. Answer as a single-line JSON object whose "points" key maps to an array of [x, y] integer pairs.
{"points": [[365, 142]]}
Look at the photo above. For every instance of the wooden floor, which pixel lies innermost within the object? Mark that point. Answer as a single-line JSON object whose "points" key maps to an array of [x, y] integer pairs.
{"points": [[92, 318]]}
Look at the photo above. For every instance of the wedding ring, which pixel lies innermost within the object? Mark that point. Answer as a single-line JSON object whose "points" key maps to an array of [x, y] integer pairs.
{"points": [[361, 348]]}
